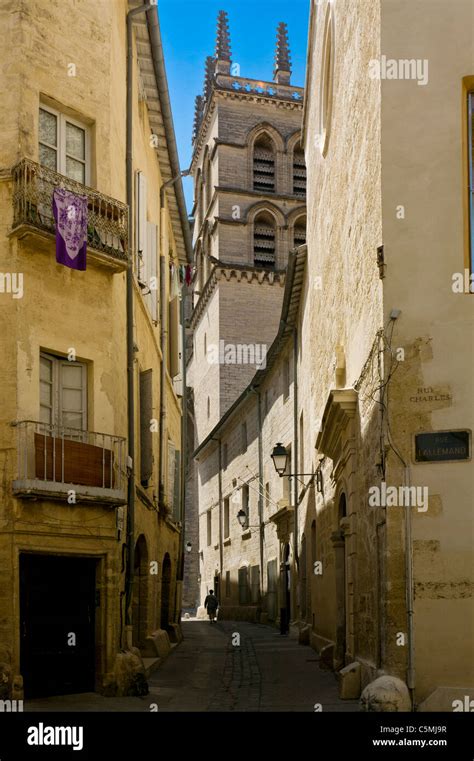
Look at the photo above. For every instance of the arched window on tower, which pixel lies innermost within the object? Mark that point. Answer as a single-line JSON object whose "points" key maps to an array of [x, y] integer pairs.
{"points": [[299, 171], [264, 165], [264, 240], [208, 182], [299, 232]]}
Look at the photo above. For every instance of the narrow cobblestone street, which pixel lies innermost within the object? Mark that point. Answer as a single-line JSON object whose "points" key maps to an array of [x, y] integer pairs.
{"points": [[207, 672]]}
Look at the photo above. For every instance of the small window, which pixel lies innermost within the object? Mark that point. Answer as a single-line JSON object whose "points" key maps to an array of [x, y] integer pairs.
{"points": [[264, 241], [146, 435], [246, 502], [264, 165], [63, 392], [226, 518], [209, 528], [243, 433], [286, 379], [64, 145]]}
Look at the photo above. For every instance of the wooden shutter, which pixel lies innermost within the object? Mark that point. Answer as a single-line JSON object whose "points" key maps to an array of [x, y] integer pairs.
{"points": [[171, 473], [255, 583], [140, 221], [146, 435], [150, 270], [174, 337]]}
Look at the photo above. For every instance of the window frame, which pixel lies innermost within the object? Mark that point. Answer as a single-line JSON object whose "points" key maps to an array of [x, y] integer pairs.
{"points": [[57, 391], [61, 154]]}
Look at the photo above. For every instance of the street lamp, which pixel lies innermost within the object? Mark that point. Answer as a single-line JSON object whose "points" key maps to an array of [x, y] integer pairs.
{"points": [[189, 546], [280, 458], [242, 518], [281, 461]]}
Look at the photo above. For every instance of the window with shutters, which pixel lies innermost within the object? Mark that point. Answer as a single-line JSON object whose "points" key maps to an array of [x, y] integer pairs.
{"points": [[299, 232], [146, 434], [174, 337], [246, 502], [243, 437], [226, 518], [141, 232], [63, 393], [299, 172], [264, 165], [64, 144], [174, 481], [264, 241]]}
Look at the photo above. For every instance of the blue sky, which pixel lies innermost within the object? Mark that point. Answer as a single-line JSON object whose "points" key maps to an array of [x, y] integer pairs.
{"points": [[188, 28]]}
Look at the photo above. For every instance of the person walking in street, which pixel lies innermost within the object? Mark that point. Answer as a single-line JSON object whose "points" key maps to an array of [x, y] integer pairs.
{"points": [[211, 604]]}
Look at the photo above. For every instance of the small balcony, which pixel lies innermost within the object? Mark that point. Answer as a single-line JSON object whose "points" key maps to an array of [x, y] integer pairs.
{"points": [[33, 187], [54, 460]]}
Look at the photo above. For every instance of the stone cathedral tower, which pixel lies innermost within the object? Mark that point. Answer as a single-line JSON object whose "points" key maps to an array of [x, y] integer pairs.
{"points": [[249, 212], [250, 184]]}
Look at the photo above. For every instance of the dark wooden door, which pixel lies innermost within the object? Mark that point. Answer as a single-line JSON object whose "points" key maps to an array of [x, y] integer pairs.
{"points": [[57, 618]]}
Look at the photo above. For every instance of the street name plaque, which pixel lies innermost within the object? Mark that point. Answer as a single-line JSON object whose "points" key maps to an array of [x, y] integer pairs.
{"points": [[442, 446]]}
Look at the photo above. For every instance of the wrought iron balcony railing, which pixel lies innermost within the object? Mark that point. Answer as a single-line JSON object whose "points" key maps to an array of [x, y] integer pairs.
{"points": [[33, 189], [53, 460]]}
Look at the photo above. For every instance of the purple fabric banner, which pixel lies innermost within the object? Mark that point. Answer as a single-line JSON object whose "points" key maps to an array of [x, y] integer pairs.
{"points": [[70, 213]]}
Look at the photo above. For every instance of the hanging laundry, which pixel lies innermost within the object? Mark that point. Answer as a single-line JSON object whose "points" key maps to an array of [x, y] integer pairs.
{"points": [[174, 284], [70, 214]]}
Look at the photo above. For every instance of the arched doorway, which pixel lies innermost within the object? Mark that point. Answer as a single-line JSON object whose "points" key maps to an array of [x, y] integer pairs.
{"points": [[140, 593], [165, 591]]}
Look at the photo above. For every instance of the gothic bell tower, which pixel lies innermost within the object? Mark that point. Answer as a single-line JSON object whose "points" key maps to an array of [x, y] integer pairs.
{"points": [[249, 212]]}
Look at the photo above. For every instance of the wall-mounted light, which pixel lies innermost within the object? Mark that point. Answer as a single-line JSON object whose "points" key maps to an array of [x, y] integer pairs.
{"points": [[280, 458], [189, 546], [242, 517]]}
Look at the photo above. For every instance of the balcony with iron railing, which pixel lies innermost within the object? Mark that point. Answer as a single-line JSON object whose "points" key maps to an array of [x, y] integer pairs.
{"points": [[107, 220], [54, 460]]}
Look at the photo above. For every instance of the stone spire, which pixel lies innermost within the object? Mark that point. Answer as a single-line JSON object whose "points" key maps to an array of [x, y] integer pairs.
{"points": [[282, 72], [210, 67], [223, 60]]}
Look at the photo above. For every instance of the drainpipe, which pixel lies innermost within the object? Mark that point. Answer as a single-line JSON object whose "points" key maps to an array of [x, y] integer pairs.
{"points": [[184, 421], [129, 308]]}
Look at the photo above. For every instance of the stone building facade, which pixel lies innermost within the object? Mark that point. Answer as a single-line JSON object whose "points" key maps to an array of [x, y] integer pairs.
{"points": [[381, 401], [88, 584], [250, 180]]}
